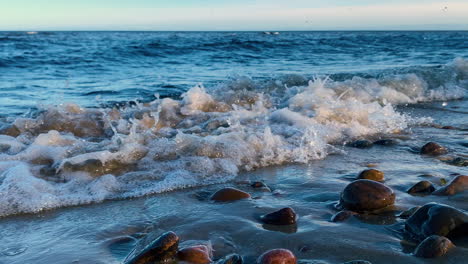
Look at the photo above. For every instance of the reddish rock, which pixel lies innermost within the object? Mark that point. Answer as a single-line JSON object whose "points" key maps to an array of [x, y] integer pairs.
{"points": [[285, 216], [433, 149], [229, 194], [366, 195], [163, 249], [277, 256], [422, 187], [457, 185], [200, 254], [433, 246], [372, 174]]}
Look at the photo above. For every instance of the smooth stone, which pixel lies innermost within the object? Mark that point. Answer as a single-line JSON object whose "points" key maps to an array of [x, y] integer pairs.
{"points": [[422, 187], [433, 149], [366, 195], [229, 194], [437, 219], [361, 144], [285, 216], [277, 256], [385, 142], [372, 174], [231, 259], [195, 254], [342, 216], [457, 185], [433, 247], [163, 249]]}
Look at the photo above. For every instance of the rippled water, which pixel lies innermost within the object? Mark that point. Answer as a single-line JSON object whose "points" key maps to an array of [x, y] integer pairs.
{"points": [[108, 136]]}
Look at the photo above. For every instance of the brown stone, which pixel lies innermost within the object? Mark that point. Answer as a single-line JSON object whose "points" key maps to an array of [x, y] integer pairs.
{"points": [[372, 174], [433, 149], [433, 246], [229, 194], [422, 187], [163, 249], [195, 254], [285, 216], [457, 185], [366, 195], [277, 256]]}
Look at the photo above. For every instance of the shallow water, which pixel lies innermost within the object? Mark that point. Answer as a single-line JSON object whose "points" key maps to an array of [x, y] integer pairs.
{"points": [[82, 182]]}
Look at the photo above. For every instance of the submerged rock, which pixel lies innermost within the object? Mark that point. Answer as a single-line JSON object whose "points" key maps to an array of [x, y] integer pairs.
{"points": [[457, 185], [437, 219], [422, 187], [163, 249], [433, 246], [433, 149], [285, 216], [366, 195], [385, 142], [231, 259], [372, 174], [229, 194], [342, 216], [200, 254], [10, 130], [277, 256], [363, 143]]}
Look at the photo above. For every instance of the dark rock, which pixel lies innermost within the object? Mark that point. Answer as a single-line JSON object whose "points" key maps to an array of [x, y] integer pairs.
{"points": [[361, 144], [406, 214], [366, 195], [457, 185], [433, 149], [437, 219], [163, 249], [458, 161], [342, 216], [231, 259], [285, 216], [422, 187], [449, 127], [385, 142], [277, 256], [200, 254], [372, 174], [229, 194], [433, 246]]}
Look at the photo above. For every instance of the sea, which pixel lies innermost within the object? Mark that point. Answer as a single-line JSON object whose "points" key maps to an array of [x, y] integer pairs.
{"points": [[109, 137]]}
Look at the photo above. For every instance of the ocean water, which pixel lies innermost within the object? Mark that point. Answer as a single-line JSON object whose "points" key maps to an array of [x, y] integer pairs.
{"points": [[126, 133]]}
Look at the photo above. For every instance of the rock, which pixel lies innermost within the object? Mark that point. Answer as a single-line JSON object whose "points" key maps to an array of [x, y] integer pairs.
{"points": [[260, 185], [448, 127], [10, 130], [285, 216], [342, 216], [277, 256], [458, 161], [433, 149], [422, 187], [231, 259], [372, 174], [163, 249], [200, 254], [433, 246], [406, 214], [361, 144], [385, 142], [457, 185], [437, 219], [229, 194], [366, 195]]}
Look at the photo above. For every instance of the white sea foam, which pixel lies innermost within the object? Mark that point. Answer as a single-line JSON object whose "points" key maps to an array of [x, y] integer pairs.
{"points": [[70, 155]]}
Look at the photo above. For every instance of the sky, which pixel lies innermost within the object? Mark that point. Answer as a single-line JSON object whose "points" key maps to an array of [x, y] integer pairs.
{"points": [[277, 15]]}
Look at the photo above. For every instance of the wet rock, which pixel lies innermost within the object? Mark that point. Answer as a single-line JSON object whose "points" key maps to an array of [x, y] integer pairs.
{"points": [[372, 174], [433, 149], [448, 127], [277, 256], [200, 254], [163, 249], [285, 216], [422, 187], [458, 161], [261, 186], [10, 130], [229, 194], [366, 195], [406, 214], [385, 142], [4, 147], [231, 259], [361, 144], [437, 219], [342, 216], [457, 185], [433, 246]]}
